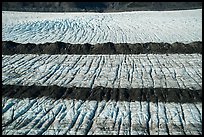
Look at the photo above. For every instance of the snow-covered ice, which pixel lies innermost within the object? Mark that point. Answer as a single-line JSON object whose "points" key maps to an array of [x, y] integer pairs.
{"points": [[119, 27]]}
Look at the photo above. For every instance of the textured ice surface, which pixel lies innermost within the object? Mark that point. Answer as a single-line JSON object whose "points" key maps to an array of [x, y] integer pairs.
{"points": [[114, 71], [63, 116], [119, 27]]}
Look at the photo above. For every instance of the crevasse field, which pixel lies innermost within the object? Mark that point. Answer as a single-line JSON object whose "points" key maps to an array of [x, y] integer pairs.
{"points": [[171, 104], [120, 27]]}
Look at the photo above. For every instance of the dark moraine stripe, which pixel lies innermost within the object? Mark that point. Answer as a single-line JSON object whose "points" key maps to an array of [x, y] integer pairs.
{"points": [[103, 93], [10, 48]]}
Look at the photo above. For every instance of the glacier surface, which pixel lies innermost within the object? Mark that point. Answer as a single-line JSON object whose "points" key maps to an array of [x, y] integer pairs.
{"points": [[120, 27]]}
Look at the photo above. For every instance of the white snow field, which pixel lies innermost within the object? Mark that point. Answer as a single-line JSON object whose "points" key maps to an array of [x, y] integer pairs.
{"points": [[115, 71], [119, 27]]}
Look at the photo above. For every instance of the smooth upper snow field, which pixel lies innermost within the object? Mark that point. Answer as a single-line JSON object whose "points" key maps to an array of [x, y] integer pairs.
{"points": [[120, 27]]}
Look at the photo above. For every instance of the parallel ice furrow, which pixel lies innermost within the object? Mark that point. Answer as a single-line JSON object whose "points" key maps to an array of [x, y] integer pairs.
{"points": [[124, 71], [66, 116]]}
